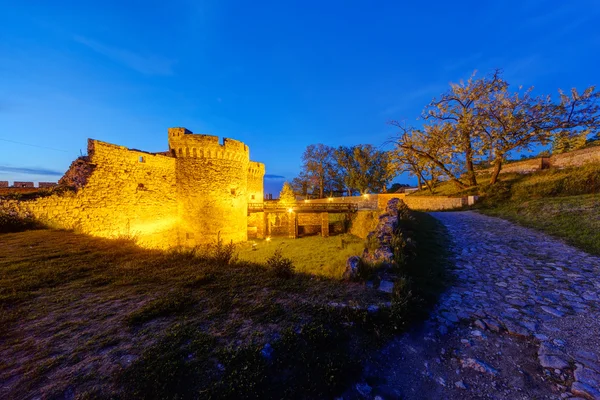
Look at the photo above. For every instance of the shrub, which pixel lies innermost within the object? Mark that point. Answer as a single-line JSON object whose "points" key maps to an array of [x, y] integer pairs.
{"points": [[372, 242], [403, 248], [223, 253], [11, 221], [281, 266]]}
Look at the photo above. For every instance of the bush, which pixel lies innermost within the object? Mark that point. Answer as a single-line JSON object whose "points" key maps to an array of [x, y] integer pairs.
{"points": [[372, 242], [281, 266], [223, 253], [11, 221]]}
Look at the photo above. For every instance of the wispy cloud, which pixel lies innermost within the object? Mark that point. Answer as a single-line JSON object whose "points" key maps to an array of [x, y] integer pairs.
{"points": [[271, 176], [420, 96], [146, 64], [30, 171], [467, 62]]}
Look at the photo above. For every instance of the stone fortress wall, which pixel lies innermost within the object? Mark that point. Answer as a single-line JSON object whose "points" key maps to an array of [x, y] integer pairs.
{"points": [[575, 158], [187, 196]]}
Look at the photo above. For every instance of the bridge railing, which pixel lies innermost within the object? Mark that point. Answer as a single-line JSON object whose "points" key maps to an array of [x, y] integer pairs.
{"points": [[302, 207]]}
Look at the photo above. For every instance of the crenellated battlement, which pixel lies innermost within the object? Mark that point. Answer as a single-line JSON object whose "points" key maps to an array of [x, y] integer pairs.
{"points": [[256, 169], [184, 143]]}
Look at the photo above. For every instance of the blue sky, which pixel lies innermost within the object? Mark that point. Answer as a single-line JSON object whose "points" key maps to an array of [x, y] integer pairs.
{"points": [[277, 75]]}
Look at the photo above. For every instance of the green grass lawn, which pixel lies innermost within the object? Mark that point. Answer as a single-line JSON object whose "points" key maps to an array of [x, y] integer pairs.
{"points": [[311, 255], [98, 318], [573, 218]]}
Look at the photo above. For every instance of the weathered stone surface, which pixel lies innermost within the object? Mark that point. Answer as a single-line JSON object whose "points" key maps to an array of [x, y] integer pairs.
{"points": [[364, 389], [351, 271], [478, 365], [587, 376], [460, 385], [585, 391], [552, 362], [386, 286], [552, 311], [384, 233]]}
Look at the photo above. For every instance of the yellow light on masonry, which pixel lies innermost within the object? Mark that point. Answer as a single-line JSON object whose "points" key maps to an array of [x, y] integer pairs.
{"points": [[268, 238], [290, 210], [366, 195], [331, 199]]}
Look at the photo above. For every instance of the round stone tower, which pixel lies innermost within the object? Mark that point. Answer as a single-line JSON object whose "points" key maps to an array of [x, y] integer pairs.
{"points": [[212, 187]]}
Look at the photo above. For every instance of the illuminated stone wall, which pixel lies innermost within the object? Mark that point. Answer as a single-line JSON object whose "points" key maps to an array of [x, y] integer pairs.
{"points": [[256, 174], [128, 193], [187, 196]]}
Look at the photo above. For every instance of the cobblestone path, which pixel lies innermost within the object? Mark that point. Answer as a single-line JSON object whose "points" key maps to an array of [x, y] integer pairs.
{"points": [[521, 320]]}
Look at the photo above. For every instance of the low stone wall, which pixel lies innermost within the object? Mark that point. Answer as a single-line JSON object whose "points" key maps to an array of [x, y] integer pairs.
{"points": [[434, 203], [365, 202], [380, 201], [576, 158]]}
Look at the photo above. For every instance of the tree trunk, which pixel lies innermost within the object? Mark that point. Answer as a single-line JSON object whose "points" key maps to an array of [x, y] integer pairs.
{"points": [[419, 180], [469, 160], [496, 172], [321, 187]]}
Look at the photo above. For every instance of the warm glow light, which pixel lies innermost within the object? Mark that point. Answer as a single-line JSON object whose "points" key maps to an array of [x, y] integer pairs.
{"points": [[268, 239], [306, 200], [331, 199], [290, 210], [366, 195]]}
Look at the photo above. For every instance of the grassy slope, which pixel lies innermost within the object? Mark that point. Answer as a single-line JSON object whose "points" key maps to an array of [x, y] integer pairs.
{"points": [[573, 218], [564, 203], [104, 318], [311, 255]]}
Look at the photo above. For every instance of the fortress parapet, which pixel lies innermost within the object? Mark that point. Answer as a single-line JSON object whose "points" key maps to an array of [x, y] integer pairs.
{"points": [[183, 143]]}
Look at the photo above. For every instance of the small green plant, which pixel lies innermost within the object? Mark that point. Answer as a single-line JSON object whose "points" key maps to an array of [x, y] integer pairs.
{"points": [[224, 254], [281, 266], [366, 270]]}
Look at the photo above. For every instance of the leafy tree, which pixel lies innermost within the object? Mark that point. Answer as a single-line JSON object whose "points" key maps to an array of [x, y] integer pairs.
{"points": [[345, 163], [458, 114], [483, 117], [303, 184], [397, 186], [594, 139], [433, 147], [287, 196], [318, 163], [415, 165], [563, 142], [364, 168], [516, 121]]}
